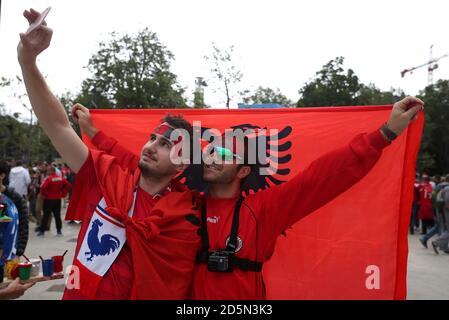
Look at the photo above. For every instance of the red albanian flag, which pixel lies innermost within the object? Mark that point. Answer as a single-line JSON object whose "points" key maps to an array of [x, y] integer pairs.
{"points": [[355, 247]]}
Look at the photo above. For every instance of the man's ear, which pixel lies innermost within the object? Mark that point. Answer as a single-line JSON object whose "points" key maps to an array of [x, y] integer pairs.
{"points": [[2, 176], [243, 172]]}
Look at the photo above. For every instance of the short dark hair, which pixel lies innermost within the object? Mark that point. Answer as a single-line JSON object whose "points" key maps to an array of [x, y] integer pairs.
{"points": [[178, 122], [4, 167], [19, 163]]}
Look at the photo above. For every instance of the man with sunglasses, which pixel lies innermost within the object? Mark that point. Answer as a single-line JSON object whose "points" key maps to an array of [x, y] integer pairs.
{"points": [[139, 235]]}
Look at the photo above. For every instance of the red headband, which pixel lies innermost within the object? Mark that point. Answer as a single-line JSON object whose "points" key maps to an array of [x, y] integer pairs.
{"points": [[165, 130]]}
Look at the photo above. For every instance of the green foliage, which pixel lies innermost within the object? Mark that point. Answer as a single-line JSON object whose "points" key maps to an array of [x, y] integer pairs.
{"points": [[19, 140], [333, 86], [267, 95], [434, 149], [370, 95], [132, 72]]}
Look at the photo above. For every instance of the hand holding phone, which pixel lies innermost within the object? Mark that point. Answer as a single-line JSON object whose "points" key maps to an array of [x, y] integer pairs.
{"points": [[39, 21]]}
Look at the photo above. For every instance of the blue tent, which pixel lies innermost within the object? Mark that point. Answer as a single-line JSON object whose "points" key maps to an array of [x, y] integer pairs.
{"points": [[260, 106]]}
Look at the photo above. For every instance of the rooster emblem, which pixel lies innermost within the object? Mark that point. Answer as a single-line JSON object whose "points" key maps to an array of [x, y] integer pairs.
{"points": [[105, 246]]}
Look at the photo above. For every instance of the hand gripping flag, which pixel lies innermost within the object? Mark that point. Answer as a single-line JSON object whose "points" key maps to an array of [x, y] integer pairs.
{"points": [[355, 247]]}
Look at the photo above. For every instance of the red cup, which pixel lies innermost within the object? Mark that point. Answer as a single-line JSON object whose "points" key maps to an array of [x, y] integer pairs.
{"points": [[15, 272], [57, 262]]}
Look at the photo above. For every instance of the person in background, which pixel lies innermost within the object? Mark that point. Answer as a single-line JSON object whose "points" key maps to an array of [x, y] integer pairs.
{"points": [[43, 169], [21, 206], [442, 203], [425, 205], [53, 190], [19, 179], [414, 221], [65, 170], [33, 190], [57, 170]]}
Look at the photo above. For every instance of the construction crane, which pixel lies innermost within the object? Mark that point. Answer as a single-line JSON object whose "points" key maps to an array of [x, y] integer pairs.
{"points": [[431, 66]]}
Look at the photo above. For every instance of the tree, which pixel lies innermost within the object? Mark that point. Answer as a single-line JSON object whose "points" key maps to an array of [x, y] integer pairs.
{"points": [[18, 93], [333, 86], [371, 95], [17, 143], [434, 150], [20, 140], [224, 71], [267, 95], [132, 72]]}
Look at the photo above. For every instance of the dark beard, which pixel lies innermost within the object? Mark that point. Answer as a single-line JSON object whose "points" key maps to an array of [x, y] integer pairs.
{"points": [[222, 179], [145, 171]]}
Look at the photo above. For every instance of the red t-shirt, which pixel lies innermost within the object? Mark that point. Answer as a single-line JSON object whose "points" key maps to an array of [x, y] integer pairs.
{"points": [[117, 283]]}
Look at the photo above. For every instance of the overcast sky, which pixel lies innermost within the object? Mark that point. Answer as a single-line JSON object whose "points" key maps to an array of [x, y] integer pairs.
{"points": [[279, 44]]}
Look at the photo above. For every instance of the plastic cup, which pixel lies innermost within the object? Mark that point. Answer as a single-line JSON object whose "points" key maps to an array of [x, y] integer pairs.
{"points": [[48, 267], [24, 270], [58, 261], [11, 271], [35, 269]]}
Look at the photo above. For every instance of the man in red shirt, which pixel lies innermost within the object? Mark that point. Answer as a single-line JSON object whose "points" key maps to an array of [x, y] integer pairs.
{"points": [[264, 215], [139, 235], [53, 189], [243, 231]]}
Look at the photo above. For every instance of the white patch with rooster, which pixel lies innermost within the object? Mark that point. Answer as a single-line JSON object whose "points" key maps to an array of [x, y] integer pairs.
{"points": [[103, 240]]}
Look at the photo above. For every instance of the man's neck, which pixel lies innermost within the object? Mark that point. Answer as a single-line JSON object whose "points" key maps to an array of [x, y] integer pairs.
{"points": [[224, 191], [154, 186]]}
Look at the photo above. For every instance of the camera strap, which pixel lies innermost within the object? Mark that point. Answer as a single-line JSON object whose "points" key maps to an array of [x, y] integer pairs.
{"points": [[241, 263]]}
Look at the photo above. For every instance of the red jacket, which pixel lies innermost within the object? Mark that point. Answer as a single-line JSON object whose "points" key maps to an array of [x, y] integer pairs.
{"points": [[55, 187], [163, 245]]}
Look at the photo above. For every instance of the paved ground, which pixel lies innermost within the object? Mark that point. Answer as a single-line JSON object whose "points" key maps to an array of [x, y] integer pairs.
{"points": [[428, 273]]}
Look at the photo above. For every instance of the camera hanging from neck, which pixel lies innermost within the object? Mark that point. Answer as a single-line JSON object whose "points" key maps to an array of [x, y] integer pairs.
{"points": [[224, 260]]}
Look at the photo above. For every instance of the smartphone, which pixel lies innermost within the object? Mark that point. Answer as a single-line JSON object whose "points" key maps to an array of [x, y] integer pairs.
{"points": [[36, 24]]}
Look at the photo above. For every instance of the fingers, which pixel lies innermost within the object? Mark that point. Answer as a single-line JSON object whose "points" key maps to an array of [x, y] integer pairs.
{"points": [[34, 11], [31, 15], [74, 115], [79, 110], [413, 111], [28, 285], [409, 102]]}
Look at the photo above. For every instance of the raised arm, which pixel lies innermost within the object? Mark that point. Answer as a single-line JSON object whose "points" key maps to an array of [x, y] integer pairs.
{"points": [[48, 109], [126, 158], [333, 173]]}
